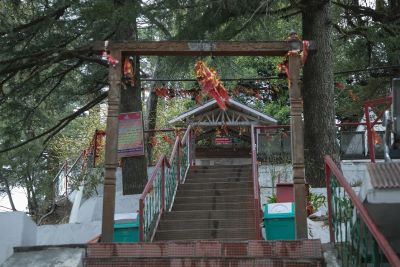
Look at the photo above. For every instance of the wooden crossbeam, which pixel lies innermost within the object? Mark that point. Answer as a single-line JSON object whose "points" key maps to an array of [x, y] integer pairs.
{"points": [[198, 48]]}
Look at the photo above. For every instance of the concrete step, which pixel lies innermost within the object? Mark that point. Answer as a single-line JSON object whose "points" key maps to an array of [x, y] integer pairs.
{"points": [[288, 249], [299, 253], [199, 161], [192, 180], [214, 192], [209, 214], [221, 171], [220, 233], [206, 224], [220, 167], [218, 175], [215, 185], [213, 206], [57, 255], [208, 199], [201, 261]]}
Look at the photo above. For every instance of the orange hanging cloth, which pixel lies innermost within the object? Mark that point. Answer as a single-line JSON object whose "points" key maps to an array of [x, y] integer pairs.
{"points": [[375, 137], [304, 54], [211, 84], [128, 72]]}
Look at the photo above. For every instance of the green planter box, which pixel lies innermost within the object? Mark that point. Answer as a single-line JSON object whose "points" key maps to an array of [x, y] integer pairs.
{"points": [[126, 231], [279, 221]]}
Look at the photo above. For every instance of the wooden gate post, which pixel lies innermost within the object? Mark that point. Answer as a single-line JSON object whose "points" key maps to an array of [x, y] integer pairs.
{"points": [[297, 143], [111, 160]]}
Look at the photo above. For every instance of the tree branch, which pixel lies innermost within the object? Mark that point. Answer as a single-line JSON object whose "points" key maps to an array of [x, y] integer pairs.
{"points": [[53, 88], [262, 4], [61, 124], [54, 14], [367, 11]]}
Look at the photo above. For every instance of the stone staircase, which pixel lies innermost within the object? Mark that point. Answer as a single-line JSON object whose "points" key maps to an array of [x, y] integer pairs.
{"points": [[211, 224], [215, 202]]}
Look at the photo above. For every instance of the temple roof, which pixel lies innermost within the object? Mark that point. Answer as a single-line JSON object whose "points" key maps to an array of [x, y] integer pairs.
{"points": [[210, 114]]}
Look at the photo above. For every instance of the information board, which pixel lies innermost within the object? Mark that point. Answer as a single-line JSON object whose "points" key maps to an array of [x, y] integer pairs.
{"points": [[222, 140], [130, 135]]}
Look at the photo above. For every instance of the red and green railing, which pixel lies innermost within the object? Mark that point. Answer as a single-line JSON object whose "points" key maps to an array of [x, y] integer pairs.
{"points": [[358, 240], [159, 192]]}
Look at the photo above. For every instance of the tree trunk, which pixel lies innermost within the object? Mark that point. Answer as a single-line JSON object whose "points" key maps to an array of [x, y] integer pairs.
{"points": [[8, 191], [152, 114], [134, 169], [318, 92], [151, 123], [32, 200]]}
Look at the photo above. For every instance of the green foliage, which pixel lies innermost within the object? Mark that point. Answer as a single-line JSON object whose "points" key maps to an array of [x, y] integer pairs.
{"points": [[90, 178], [317, 200], [70, 142], [345, 208], [272, 199]]}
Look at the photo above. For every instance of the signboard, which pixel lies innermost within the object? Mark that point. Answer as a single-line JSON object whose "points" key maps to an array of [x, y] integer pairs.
{"points": [[130, 135], [222, 140]]}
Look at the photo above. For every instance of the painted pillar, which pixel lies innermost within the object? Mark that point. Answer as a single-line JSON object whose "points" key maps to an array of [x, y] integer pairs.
{"points": [[297, 142], [111, 161]]}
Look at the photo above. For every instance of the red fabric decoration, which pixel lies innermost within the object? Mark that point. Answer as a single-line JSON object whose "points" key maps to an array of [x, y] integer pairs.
{"points": [[110, 59], [153, 141], [211, 84], [284, 68], [167, 139], [353, 96], [162, 92], [339, 85], [304, 54], [128, 72]]}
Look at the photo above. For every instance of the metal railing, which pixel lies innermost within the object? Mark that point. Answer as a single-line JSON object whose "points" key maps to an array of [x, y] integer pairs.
{"points": [[387, 101], [358, 240], [256, 186], [60, 182], [274, 140], [86, 159], [159, 192]]}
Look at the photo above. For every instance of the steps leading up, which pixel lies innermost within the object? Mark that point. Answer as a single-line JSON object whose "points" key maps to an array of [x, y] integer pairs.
{"points": [[215, 202], [205, 224], [207, 253], [207, 199], [211, 223], [214, 205], [207, 233]]}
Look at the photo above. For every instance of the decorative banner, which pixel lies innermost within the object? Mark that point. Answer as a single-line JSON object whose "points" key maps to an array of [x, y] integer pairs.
{"points": [[211, 84], [130, 135]]}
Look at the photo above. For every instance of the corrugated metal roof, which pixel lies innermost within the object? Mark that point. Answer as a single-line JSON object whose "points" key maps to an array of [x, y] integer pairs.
{"points": [[385, 175]]}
